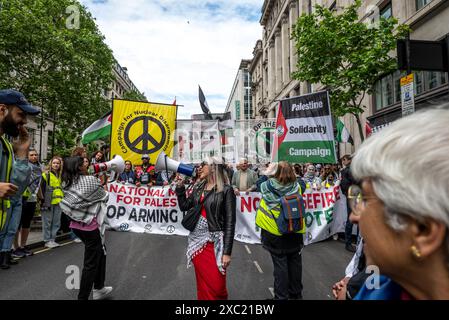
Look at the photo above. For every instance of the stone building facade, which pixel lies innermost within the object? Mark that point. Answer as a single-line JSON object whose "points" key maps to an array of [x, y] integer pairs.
{"points": [[274, 59]]}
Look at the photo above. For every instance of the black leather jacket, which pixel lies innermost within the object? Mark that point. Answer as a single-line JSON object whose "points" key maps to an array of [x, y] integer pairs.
{"points": [[220, 210]]}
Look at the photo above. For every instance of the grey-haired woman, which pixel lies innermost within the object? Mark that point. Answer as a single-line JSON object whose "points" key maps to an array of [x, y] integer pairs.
{"points": [[401, 206]]}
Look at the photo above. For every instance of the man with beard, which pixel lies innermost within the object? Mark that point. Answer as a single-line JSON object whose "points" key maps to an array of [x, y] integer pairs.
{"points": [[14, 109], [145, 174]]}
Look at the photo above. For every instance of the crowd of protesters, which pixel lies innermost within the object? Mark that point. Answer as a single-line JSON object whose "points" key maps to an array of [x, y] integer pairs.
{"points": [[404, 232], [45, 187]]}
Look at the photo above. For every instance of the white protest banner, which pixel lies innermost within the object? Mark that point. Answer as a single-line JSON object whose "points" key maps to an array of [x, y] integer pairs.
{"points": [[325, 213], [144, 210], [245, 227], [210, 139], [194, 140], [254, 139], [183, 150], [155, 210]]}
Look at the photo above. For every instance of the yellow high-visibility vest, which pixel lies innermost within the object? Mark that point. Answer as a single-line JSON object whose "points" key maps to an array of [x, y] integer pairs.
{"points": [[266, 218], [5, 203], [55, 183], [26, 193], [326, 185]]}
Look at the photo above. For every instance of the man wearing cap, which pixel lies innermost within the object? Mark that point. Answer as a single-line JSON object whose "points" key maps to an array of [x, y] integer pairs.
{"points": [[145, 174], [14, 172]]}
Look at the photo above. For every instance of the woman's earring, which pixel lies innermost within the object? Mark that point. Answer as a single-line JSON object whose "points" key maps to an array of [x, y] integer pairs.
{"points": [[415, 252]]}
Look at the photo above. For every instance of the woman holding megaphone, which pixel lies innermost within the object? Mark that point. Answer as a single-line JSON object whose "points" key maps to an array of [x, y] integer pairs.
{"points": [[85, 203], [210, 218]]}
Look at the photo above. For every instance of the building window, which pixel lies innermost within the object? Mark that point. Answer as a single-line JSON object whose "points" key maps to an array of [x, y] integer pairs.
{"points": [[419, 83], [397, 85], [378, 94], [309, 6], [246, 79], [387, 91], [309, 87], [387, 11], [422, 3]]}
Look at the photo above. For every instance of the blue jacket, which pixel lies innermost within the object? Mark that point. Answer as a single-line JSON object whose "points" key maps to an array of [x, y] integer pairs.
{"points": [[388, 290], [129, 177]]}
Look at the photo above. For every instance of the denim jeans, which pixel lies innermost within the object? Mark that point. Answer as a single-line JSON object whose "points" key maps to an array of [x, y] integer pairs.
{"points": [[51, 221], [8, 233]]}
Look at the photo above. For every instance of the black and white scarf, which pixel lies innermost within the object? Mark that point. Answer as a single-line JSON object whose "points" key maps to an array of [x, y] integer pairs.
{"points": [[84, 200]]}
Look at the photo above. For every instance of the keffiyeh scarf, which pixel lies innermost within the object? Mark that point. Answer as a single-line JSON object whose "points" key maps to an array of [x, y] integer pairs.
{"points": [[272, 200], [84, 200], [198, 240]]}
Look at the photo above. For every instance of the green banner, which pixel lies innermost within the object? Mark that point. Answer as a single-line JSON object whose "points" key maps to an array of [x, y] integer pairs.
{"points": [[307, 151]]}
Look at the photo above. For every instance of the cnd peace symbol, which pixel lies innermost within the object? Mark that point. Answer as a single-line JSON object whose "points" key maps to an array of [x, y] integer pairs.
{"points": [[148, 143]]}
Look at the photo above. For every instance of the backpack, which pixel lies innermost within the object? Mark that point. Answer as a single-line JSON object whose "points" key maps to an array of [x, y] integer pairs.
{"points": [[290, 219], [47, 192]]}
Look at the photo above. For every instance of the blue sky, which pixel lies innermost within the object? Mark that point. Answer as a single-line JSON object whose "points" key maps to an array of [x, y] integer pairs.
{"points": [[170, 47]]}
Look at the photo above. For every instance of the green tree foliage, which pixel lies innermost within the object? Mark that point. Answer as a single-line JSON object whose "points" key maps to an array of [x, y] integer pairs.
{"points": [[60, 66], [345, 55], [134, 96]]}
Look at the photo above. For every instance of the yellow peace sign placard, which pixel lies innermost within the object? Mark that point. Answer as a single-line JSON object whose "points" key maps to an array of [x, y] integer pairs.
{"points": [[140, 128]]}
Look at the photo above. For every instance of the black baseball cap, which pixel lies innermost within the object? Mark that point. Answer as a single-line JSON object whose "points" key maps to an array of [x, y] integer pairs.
{"points": [[16, 98]]}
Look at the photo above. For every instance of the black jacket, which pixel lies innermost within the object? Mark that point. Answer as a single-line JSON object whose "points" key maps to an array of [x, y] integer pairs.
{"points": [[280, 245], [346, 180], [220, 210]]}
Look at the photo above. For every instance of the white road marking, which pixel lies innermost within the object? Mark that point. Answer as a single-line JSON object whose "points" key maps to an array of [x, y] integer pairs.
{"points": [[48, 249], [64, 244], [43, 250], [258, 267], [272, 291], [247, 249]]}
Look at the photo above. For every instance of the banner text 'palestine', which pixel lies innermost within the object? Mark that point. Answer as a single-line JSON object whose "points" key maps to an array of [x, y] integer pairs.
{"points": [[304, 130]]}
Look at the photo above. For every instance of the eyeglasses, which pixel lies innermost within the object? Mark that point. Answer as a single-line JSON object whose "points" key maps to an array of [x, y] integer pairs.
{"points": [[357, 201]]}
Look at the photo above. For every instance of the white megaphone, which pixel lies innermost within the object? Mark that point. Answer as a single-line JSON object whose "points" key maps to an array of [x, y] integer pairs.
{"points": [[117, 165], [164, 162]]}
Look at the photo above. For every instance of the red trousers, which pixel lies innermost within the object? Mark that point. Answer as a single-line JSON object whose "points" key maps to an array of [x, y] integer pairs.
{"points": [[210, 282]]}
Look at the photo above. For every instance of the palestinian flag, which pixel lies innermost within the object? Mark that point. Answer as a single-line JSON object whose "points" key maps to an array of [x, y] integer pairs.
{"points": [[279, 133], [304, 131], [97, 130], [368, 129], [343, 135]]}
